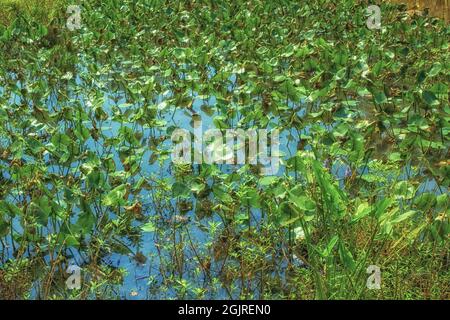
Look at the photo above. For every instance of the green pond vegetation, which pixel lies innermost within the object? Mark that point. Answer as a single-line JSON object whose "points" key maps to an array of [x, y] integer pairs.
{"points": [[86, 175]]}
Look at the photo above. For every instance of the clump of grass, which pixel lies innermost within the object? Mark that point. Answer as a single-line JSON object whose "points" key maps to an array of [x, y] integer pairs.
{"points": [[15, 280], [41, 11]]}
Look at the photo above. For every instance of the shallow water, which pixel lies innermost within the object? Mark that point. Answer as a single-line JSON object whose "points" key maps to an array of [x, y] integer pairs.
{"points": [[136, 283]]}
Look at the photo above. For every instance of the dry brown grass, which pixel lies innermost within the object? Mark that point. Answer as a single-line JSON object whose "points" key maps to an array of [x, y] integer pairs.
{"points": [[438, 8]]}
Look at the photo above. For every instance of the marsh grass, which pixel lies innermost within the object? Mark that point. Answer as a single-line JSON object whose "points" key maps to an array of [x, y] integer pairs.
{"points": [[15, 280], [41, 11], [306, 234]]}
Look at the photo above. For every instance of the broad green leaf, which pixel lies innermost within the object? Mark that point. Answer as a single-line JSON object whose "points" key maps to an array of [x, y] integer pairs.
{"points": [[430, 98], [346, 257], [381, 206], [180, 190], [86, 219], [303, 202], [363, 210], [437, 67], [148, 227], [268, 180], [9, 208], [404, 216], [116, 196], [380, 97]]}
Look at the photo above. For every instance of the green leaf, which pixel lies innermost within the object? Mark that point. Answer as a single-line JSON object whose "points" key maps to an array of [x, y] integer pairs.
{"points": [[266, 181], [71, 241], [148, 227], [116, 196], [289, 222], [421, 76], [430, 98], [86, 219], [197, 187], [425, 201], [442, 201], [381, 206], [380, 97], [363, 210], [304, 203], [346, 257], [4, 227], [40, 209], [395, 156], [207, 110], [221, 194], [330, 246], [180, 190], [332, 195], [437, 67], [251, 197], [11, 209], [440, 90], [404, 216]]}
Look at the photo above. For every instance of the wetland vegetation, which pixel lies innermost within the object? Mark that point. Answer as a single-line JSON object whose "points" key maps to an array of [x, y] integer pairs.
{"points": [[86, 177]]}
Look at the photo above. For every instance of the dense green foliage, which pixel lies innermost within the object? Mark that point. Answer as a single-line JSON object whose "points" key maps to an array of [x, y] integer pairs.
{"points": [[85, 170]]}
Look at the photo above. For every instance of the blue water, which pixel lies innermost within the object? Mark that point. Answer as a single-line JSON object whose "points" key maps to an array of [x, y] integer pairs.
{"points": [[141, 278]]}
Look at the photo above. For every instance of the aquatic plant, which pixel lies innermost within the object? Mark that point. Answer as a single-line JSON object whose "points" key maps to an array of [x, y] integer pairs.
{"points": [[86, 176]]}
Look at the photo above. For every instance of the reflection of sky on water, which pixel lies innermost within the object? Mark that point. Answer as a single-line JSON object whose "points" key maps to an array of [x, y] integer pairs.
{"points": [[138, 275]]}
